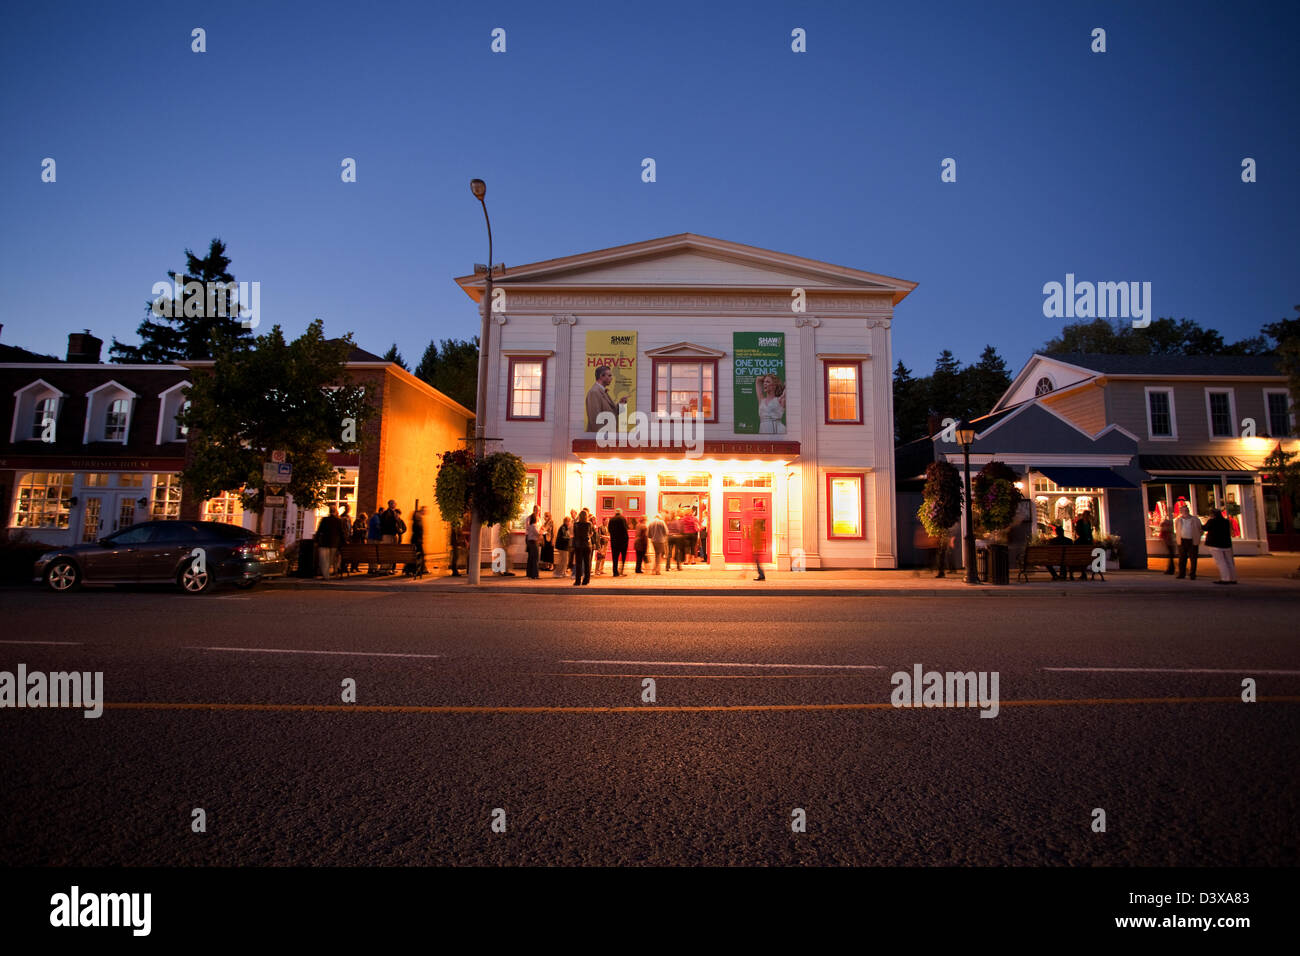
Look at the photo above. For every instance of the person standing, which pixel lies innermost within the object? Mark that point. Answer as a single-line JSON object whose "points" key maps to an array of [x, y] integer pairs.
{"points": [[533, 543], [676, 540], [704, 535], [658, 533], [599, 400], [641, 543], [599, 542], [691, 533], [374, 535], [1218, 538], [547, 562], [358, 537], [757, 538], [329, 537], [563, 544], [618, 534], [459, 534], [1167, 537], [388, 529], [1188, 530], [416, 567], [582, 532]]}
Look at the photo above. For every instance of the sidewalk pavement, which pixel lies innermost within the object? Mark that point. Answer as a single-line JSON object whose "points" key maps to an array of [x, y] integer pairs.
{"points": [[1258, 576]]}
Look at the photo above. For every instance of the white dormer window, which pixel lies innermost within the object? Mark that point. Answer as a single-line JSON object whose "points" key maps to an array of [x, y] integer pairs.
{"points": [[1043, 386], [36, 412], [171, 404], [108, 414]]}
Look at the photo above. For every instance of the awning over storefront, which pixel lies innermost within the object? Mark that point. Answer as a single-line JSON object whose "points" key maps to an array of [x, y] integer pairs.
{"points": [[1195, 466], [1084, 477]]}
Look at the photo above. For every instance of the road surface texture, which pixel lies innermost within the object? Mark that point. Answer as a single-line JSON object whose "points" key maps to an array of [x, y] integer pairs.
{"points": [[531, 712]]}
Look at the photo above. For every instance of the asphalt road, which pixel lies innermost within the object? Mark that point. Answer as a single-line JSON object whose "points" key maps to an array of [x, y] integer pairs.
{"points": [[749, 723]]}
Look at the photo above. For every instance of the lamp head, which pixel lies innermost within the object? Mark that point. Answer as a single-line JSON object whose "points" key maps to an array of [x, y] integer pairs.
{"points": [[965, 434], [478, 188]]}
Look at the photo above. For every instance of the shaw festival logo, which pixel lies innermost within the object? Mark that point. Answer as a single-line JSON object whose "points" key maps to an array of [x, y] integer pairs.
{"points": [[652, 431], [947, 689]]}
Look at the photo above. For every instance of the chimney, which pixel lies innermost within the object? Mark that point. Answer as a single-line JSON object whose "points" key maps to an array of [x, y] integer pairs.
{"points": [[933, 425], [84, 348]]}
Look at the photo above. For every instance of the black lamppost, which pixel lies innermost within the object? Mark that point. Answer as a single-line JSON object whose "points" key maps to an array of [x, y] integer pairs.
{"points": [[474, 558], [966, 438]]}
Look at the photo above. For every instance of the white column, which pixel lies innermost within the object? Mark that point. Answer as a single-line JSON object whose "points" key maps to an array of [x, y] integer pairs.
{"points": [[561, 382], [882, 428], [809, 417]]}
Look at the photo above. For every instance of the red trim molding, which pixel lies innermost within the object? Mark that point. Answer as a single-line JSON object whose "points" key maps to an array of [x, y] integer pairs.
{"points": [[862, 506], [510, 392], [655, 362], [827, 364]]}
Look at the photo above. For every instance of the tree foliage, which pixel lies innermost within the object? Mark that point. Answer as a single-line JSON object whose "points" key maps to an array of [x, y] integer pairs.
{"points": [[173, 335], [1162, 337], [995, 497], [277, 395], [452, 488], [494, 485], [949, 392], [451, 366], [394, 356]]}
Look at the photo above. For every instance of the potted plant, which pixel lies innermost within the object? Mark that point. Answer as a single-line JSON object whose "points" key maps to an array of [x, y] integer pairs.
{"points": [[940, 506]]}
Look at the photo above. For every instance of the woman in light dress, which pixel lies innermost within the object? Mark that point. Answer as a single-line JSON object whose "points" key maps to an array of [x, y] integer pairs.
{"points": [[771, 406]]}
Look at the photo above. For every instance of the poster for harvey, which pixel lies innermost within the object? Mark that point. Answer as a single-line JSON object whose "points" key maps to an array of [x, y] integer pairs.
{"points": [[758, 368], [617, 352]]}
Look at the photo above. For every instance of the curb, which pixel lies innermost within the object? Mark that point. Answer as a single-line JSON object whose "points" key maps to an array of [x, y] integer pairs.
{"points": [[984, 590]]}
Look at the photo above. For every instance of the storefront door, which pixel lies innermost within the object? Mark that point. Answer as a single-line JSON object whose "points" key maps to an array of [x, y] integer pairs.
{"points": [[1281, 519], [631, 501], [105, 513], [741, 511]]}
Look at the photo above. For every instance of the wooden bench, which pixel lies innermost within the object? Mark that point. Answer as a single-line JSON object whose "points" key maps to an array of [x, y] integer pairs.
{"points": [[1066, 557], [375, 555]]}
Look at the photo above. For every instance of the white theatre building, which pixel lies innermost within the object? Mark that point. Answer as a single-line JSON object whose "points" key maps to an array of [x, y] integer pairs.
{"points": [[779, 365]]}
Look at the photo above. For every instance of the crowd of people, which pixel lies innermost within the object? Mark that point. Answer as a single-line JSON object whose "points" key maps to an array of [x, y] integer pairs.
{"points": [[385, 526], [1182, 537], [582, 543]]}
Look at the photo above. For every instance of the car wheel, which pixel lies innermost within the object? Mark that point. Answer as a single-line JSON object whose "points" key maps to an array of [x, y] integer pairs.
{"points": [[195, 582], [63, 576]]}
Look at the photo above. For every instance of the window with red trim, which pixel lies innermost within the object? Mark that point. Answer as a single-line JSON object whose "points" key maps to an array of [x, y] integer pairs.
{"points": [[846, 506], [686, 387], [527, 389], [843, 388]]}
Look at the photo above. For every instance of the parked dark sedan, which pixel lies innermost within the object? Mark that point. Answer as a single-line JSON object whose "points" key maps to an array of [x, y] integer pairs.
{"points": [[195, 555]]}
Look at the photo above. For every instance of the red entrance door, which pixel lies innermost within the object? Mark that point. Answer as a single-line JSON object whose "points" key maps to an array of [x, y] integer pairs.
{"points": [[630, 501], [1281, 519], [743, 512]]}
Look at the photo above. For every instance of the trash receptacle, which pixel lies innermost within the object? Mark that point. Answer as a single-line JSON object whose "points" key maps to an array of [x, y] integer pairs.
{"points": [[999, 564], [306, 559], [982, 561]]}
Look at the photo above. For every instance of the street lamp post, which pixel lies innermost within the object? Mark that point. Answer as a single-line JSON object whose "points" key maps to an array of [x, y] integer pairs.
{"points": [[966, 438], [479, 189]]}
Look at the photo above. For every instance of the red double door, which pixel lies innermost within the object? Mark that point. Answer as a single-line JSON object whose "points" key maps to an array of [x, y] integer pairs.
{"points": [[631, 503], [743, 514]]}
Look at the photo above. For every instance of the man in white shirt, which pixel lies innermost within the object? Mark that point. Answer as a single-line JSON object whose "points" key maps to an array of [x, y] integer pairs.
{"points": [[1188, 531]]}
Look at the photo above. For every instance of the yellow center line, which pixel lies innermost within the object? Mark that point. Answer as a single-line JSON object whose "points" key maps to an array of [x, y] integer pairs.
{"points": [[651, 708]]}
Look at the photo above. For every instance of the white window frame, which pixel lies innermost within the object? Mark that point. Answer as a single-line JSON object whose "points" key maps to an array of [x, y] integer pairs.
{"points": [[97, 406], [1173, 417], [1290, 413], [170, 403], [25, 400], [1232, 413]]}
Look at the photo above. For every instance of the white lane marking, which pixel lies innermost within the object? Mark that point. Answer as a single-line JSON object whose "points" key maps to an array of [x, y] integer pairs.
{"points": [[859, 667], [42, 642], [278, 650], [1173, 670]]}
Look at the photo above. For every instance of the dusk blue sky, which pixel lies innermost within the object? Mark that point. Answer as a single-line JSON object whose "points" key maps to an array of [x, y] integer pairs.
{"points": [[1122, 166]]}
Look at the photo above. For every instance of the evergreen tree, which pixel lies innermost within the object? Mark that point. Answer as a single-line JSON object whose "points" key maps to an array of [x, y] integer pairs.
{"points": [[452, 368], [193, 327], [944, 397], [392, 355], [984, 383], [910, 405]]}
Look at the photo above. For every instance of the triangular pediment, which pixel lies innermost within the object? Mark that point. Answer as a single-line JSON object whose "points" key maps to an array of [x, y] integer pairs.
{"points": [[685, 350], [689, 261]]}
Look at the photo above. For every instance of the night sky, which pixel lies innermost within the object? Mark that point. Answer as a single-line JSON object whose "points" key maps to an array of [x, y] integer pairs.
{"points": [[1115, 166]]}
